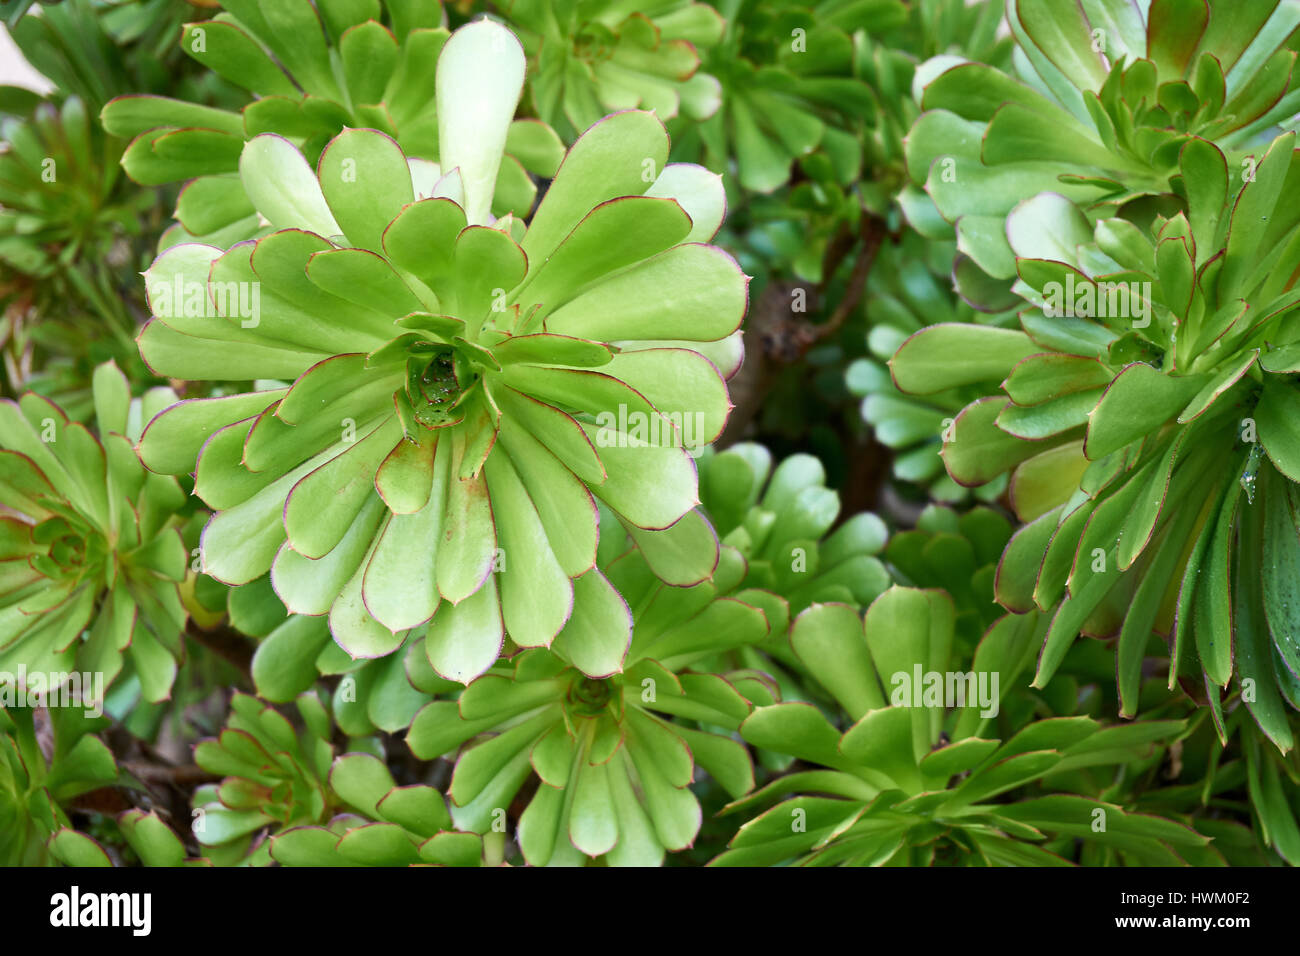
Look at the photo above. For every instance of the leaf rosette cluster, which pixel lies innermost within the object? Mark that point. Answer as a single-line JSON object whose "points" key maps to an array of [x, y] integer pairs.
{"points": [[92, 558], [441, 397], [48, 757], [589, 59], [780, 520], [614, 754], [914, 780], [1147, 420], [1104, 98], [313, 70], [286, 798]]}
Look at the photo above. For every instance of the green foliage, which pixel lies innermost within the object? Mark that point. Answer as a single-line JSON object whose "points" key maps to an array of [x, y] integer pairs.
{"points": [[90, 542], [613, 730], [590, 59], [69, 228], [1146, 438], [47, 758], [95, 50], [778, 520], [1103, 105], [317, 809], [273, 777], [313, 73], [911, 782], [421, 492], [957, 552], [905, 294], [444, 381], [787, 88]]}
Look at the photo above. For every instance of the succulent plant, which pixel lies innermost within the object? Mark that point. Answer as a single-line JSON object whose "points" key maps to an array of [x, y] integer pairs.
{"points": [[788, 88], [442, 545], [1148, 426], [944, 29], [274, 777], [47, 758], [590, 59], [836, 214], [959, 553], [393, 826], [90, 542], [779, 519], [151, 840], [295, 652], [1271, 781], [914, 783], [68, 224], [1106, 97], [855, 171], [614, 753], [286, 798], [74, 231], [425, 336], [1205, 786], [315, 72], [97, 49], [904, 295]]}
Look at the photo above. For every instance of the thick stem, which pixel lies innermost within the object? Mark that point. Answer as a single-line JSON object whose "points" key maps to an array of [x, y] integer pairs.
{"points": [[774, 339], [227, 643]]}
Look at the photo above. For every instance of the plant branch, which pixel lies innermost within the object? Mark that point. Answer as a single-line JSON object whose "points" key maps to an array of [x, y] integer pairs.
{"points": [[871, 234], [182, 776], [227, 643], [774, 340]]}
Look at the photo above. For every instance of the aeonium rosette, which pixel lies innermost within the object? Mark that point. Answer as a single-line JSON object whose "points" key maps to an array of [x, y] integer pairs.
{"points": [[440, 395], [1147, 418], [615, 733], [590, 58], [93, 565], [1099, 105], [312, 70]]}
